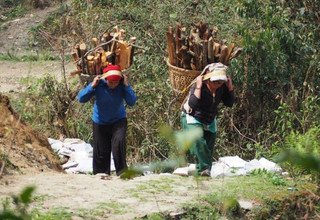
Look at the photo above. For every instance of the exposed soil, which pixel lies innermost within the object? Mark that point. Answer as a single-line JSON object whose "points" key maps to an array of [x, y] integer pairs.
{"points": [[25, 149], [15, 34], [12, 73], [84, 195]]}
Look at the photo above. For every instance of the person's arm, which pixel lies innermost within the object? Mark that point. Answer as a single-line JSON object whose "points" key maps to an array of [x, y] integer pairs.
{"points": [[88, 92], [195, 93], [129, 95], [228, 97]]}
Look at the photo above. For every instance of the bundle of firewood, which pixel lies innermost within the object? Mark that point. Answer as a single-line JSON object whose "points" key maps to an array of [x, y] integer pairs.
{"points": [[110, 48], [199, 49]]}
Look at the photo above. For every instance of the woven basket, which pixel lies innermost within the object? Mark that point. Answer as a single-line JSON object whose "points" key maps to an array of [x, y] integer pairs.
{"points": [[180, 80]]}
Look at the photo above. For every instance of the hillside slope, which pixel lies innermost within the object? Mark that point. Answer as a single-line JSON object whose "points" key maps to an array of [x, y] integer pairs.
{"points": [[20, 146]]}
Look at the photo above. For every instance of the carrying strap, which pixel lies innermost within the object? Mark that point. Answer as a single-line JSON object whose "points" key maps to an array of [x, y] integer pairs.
{"points": [[207, 76]]}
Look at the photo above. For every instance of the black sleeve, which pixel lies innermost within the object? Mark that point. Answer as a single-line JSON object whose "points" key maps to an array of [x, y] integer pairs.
{"points": [[193, 100], [228, 97]]}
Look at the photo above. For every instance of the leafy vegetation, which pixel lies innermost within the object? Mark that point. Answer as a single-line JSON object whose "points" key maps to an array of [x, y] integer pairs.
{"points": [[25, 58], [21, 203]]}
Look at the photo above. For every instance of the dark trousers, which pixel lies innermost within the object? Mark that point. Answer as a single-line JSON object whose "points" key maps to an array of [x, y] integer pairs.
{"points": [[109, 139]]}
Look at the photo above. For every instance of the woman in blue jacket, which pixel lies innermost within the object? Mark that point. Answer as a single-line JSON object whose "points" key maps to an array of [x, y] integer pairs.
{"points": [[110, 90]]}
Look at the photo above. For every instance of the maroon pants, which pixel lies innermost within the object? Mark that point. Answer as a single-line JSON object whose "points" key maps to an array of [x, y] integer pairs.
{"points": [[109, 139]]}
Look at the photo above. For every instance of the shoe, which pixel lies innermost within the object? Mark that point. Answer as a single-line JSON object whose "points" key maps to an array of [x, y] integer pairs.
{"points": [[205, 172]]}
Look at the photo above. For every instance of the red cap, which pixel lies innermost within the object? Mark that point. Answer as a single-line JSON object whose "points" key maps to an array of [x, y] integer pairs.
{"points": [[113, 78], [112, 72], [111, 67]]}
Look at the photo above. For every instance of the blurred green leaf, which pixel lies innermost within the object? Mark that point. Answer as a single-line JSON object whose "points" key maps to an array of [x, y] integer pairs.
{"points": [[303, 160], [130, 173], [186, 138], [26, 194]]}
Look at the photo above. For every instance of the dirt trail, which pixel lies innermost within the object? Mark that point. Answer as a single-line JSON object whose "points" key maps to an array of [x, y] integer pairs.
{"points": [[15, 34], [115, 198], [13, 73]]}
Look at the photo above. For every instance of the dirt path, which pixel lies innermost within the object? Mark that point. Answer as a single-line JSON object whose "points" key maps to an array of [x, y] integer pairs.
{"points": [[14, 76], [85, 195], [15, 40], [14, 34]]}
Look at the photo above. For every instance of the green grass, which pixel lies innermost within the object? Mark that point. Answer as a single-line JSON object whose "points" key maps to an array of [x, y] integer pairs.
{"points": [[44, 56], [15, 12], [54, 214], [102, 210], [8, 164], [152, 188], [258, 189]]}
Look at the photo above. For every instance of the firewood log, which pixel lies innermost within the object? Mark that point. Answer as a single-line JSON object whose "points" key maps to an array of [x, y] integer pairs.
{"points": [[209, 33], [83, 50], [90, 57], [95, 42], [186, 57], [204, 53], [113, 47], [106, 37], [236, 52], [216, 51], [123, 55], [97, 64], [122, 34], [103, 57], [177, 41], [75, 56], [214, 33], [223, 54], [91, 68], [194, 36], [210, 50], [171, 47], [197, 59], [202, 28], [230, 49], [116, 29]]}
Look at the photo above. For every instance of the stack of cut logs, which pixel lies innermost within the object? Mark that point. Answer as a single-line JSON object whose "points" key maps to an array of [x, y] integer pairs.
{"points": [[199, 49], [109, 48]]}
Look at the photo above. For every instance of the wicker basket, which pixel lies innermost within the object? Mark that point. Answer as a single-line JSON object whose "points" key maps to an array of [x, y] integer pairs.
{"points": [[180, 80]]}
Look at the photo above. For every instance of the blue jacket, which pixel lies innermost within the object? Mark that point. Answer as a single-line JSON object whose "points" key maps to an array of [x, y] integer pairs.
{"points": [[109, 103]]}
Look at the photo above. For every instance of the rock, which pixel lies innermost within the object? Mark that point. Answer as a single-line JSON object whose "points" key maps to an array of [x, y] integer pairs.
{"points": [[3, 18], [182, 171], [246, 205], [177, 214]]}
